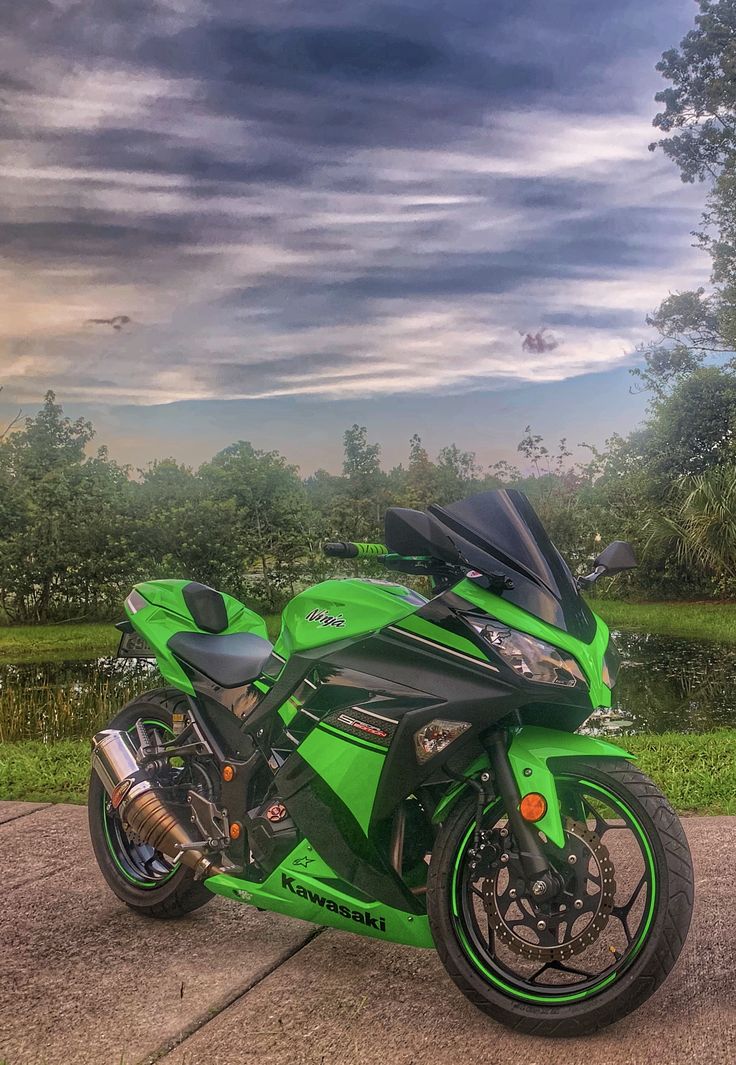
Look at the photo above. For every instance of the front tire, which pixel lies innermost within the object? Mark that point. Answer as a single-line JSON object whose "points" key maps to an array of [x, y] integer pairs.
{"points": [[140, 877], [561, 998]]}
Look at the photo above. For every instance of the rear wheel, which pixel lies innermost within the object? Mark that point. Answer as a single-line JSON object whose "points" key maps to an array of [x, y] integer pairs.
{"points": [[141, 877], [604, 943]]}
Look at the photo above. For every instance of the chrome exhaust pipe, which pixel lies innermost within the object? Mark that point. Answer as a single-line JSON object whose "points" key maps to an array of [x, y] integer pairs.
{"points": [[144, 812]]}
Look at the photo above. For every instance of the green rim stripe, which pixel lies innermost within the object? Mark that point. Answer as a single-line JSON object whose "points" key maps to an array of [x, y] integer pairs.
{"points": [[650, 859], [572, 997]]}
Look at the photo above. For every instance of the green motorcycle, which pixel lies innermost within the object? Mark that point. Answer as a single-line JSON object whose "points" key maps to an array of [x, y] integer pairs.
{"points": [[406, 768]]}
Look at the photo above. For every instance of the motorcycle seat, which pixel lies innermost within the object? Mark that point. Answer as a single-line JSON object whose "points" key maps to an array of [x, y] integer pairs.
{"points": [[229, 659]]}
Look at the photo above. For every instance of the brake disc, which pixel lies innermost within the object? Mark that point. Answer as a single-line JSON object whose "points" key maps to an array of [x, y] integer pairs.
{"points": [[569, 923]]}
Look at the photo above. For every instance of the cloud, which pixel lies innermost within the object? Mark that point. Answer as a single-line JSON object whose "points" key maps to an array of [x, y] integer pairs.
{"points": [[330, 200]]}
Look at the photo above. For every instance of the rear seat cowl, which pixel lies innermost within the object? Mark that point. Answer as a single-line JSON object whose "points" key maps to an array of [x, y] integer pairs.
{"points": [[206, 606]]}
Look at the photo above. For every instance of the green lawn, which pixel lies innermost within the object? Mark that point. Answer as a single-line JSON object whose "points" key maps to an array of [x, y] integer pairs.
{"points": [[36, 643], [696, 772], [27, 643], [706, 621], [697, 621]]}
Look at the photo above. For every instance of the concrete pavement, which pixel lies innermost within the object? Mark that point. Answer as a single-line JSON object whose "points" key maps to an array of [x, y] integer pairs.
{"points": [[85, 982]]}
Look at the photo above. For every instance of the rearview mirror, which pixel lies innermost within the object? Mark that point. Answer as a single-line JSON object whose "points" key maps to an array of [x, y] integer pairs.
{"points": [[615, 558]]}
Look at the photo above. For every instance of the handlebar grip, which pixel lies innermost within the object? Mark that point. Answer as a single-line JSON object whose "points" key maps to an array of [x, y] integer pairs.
{"points": [[345, 549], [371, 550]]}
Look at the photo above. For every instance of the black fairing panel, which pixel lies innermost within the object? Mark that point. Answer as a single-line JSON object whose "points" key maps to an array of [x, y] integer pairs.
{"points": [[411, 683], [332, 829]]}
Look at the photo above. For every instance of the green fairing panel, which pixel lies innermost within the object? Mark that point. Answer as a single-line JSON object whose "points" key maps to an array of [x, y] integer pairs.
{"points": [[531, 749], [350, 768], [167, 613], [342, 609], [589, 656], [304, 886], [288, 711]]}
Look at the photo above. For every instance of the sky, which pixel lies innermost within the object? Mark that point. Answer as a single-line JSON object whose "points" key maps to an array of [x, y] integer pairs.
{"points": [[267, 220]]}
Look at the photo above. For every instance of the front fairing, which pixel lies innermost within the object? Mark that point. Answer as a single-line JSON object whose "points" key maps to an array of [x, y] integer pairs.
{"points": [[589, 655], [499, 534]]}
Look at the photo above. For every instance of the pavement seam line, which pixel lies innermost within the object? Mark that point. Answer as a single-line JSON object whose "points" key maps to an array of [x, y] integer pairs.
{"points": [[15, 884], [26, 813], [229, 1000]]}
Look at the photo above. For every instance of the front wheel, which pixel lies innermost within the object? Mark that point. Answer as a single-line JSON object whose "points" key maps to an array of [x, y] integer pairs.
{"points": [[604, 943]]}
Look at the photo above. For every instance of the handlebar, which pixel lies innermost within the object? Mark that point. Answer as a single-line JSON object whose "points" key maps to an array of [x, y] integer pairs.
{"points": [[345, 549]]}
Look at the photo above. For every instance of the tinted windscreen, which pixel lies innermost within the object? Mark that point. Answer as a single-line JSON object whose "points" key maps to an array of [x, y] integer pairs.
{"points": [[499, 532]]}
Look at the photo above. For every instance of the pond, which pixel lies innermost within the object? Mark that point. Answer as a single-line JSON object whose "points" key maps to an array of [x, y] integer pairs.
{"points": [[666, 684]]}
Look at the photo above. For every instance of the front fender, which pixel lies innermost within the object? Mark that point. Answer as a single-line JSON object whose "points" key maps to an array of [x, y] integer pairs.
{"points": [[531, 750]]}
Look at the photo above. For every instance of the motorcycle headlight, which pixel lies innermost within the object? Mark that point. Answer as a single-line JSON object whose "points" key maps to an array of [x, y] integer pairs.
{"points": [[532, 659]]}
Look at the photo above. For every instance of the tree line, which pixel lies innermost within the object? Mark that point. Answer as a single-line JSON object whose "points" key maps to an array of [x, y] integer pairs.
{"points": [[77, 529]]}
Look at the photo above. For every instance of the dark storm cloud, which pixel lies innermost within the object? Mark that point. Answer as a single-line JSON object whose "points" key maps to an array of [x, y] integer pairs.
{"points": [[303, 196]]}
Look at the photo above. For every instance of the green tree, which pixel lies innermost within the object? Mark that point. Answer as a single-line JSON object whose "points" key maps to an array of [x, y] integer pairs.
{"points": [[457, 475], [61, 512], [180, 531], [421, 476], [699, 114], [273, 526], [691, 429], [360, 513], [699, 122], [700, 526]]}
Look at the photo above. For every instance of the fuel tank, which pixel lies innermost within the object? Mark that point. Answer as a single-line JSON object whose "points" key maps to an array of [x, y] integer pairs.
{"points": [[342, 609]]}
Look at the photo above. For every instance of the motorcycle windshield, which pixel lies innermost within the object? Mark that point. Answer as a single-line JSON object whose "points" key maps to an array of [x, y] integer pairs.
{"points": [[499, 532]]}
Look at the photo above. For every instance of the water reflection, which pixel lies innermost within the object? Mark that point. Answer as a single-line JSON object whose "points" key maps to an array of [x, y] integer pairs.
{"points": [[64, 700], [666, 684]]}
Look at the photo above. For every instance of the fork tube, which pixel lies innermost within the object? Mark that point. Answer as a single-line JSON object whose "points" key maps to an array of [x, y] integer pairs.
{"points": [[531, 854]]}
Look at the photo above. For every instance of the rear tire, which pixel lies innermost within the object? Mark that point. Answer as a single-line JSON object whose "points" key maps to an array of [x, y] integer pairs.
{"points": [[638, 979], [170, 891]]}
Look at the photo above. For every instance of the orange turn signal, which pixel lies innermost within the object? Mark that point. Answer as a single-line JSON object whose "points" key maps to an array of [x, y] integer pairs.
{"points": [[533, 807], [227, 773], [235, 830]]}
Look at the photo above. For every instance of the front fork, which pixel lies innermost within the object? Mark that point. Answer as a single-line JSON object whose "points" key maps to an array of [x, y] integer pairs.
{"points": [[542, 879]]}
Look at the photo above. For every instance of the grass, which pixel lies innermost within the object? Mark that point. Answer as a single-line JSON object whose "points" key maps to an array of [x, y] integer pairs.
{"points": [[36, 643], [699, 621], [697, 772], [34, 771], [28, 643], [695, 621]]}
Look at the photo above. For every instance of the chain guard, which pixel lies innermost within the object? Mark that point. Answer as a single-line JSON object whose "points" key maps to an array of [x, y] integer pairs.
{"points": [[586, 846]]}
